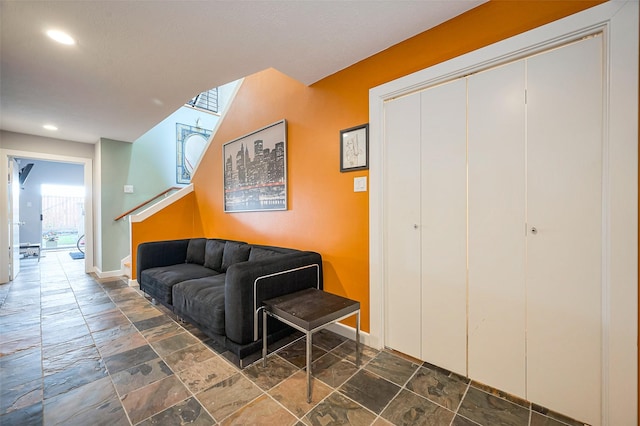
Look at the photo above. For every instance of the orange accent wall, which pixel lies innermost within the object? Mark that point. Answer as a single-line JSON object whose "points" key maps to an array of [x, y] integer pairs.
{"points": [[174, 222], [324, 213]]}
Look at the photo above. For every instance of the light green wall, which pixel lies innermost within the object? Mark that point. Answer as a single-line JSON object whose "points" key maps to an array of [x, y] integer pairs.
{"points": [[115, 157], [149, 164], [153, 159], [153, 162]]}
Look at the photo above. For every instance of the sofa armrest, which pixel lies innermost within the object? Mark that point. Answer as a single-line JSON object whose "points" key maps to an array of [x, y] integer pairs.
{"points": [[247, 284], [160, 253]]}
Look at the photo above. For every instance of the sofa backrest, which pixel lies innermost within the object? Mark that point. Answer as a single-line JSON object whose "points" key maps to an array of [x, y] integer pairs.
{"points": [[260, 252], [234, 252], [195, 251], [213, 254], [219, 254]]}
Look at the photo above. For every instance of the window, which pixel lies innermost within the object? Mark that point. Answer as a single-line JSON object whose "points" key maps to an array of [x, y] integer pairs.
{"points": [[207, 101]]}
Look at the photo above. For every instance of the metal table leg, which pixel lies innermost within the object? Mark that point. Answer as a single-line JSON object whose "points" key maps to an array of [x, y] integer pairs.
{"points": [[358, 339], [332, 308], [309, 366], [264, 337]]}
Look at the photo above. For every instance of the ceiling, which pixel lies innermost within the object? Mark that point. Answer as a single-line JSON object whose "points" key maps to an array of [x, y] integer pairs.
{"points": [[136, 62]]}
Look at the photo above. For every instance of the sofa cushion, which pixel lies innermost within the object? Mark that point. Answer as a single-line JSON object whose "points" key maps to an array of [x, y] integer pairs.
{"points": [[261, 253], [234, 252], [213, 254], [195, 250], [160, 280], [202, 300]]}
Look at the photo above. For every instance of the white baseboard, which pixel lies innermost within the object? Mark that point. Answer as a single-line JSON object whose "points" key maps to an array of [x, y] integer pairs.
{"points": [[109, 274], [133, 283], [350, 333]]}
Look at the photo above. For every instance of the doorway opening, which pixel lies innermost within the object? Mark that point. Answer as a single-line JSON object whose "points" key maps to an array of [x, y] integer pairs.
{"points": [[62, 215], [49, 169]]}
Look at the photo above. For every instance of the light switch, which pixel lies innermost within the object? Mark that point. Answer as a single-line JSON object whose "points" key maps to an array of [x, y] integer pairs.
{"points": [[128, 189], [360, 184]]}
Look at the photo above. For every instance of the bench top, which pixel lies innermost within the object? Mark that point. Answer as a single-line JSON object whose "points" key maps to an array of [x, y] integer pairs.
{"points": [[311, 308]]}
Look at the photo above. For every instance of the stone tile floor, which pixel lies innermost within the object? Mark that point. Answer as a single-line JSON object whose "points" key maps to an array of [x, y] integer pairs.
{"points": [[75, 350]]}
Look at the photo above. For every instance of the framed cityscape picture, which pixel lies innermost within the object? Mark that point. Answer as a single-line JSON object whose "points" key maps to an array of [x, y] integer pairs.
{"points": [[255, 170], [354, 148]]}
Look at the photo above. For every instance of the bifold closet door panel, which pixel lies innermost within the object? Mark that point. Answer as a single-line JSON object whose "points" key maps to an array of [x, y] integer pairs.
{"points": [[565, 207], [444, 226], [496, 306], [402, 225]]}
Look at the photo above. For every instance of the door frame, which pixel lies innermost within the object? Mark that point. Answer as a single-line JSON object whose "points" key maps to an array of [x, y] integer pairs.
{"points": [[5, 155], [14, 252], [619, 23]]}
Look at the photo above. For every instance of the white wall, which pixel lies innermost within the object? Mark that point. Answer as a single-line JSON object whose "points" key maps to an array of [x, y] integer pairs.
{"points": [[42, 145]]}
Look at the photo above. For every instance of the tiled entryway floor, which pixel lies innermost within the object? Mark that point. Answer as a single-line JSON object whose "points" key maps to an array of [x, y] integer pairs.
{"points": [[77, 351]]}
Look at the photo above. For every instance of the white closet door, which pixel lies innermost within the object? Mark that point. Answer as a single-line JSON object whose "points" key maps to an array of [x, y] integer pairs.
{"points": [[402, 225], [444, 226], [564, 102], [496, 340]]}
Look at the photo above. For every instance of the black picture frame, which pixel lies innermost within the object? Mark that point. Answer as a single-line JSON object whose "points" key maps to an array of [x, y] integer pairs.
{"points": [[255, 170], [354, 148]]}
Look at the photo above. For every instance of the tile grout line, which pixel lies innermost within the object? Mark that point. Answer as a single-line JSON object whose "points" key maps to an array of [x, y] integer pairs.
{"points": [[162, 358], [358, 368], [333, 389], [257, 362], [301, 369], [464, 395], [41, 338], [193, 395], [102, 357], [400, 388], [66, 277], [222, 359]]}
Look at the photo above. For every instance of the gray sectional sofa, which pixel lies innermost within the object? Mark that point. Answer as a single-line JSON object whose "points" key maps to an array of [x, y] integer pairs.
{"points": [[219, 285]]}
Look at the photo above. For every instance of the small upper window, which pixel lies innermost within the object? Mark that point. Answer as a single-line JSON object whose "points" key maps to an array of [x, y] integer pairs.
{"points": [[207, 101]]}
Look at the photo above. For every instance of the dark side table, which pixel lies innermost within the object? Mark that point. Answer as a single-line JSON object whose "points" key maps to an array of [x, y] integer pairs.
{"points": [[309, 311]]}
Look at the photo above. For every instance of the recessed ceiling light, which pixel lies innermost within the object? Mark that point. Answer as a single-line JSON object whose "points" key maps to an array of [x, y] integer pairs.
{"points": [[61, 37], [50, 127]]}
